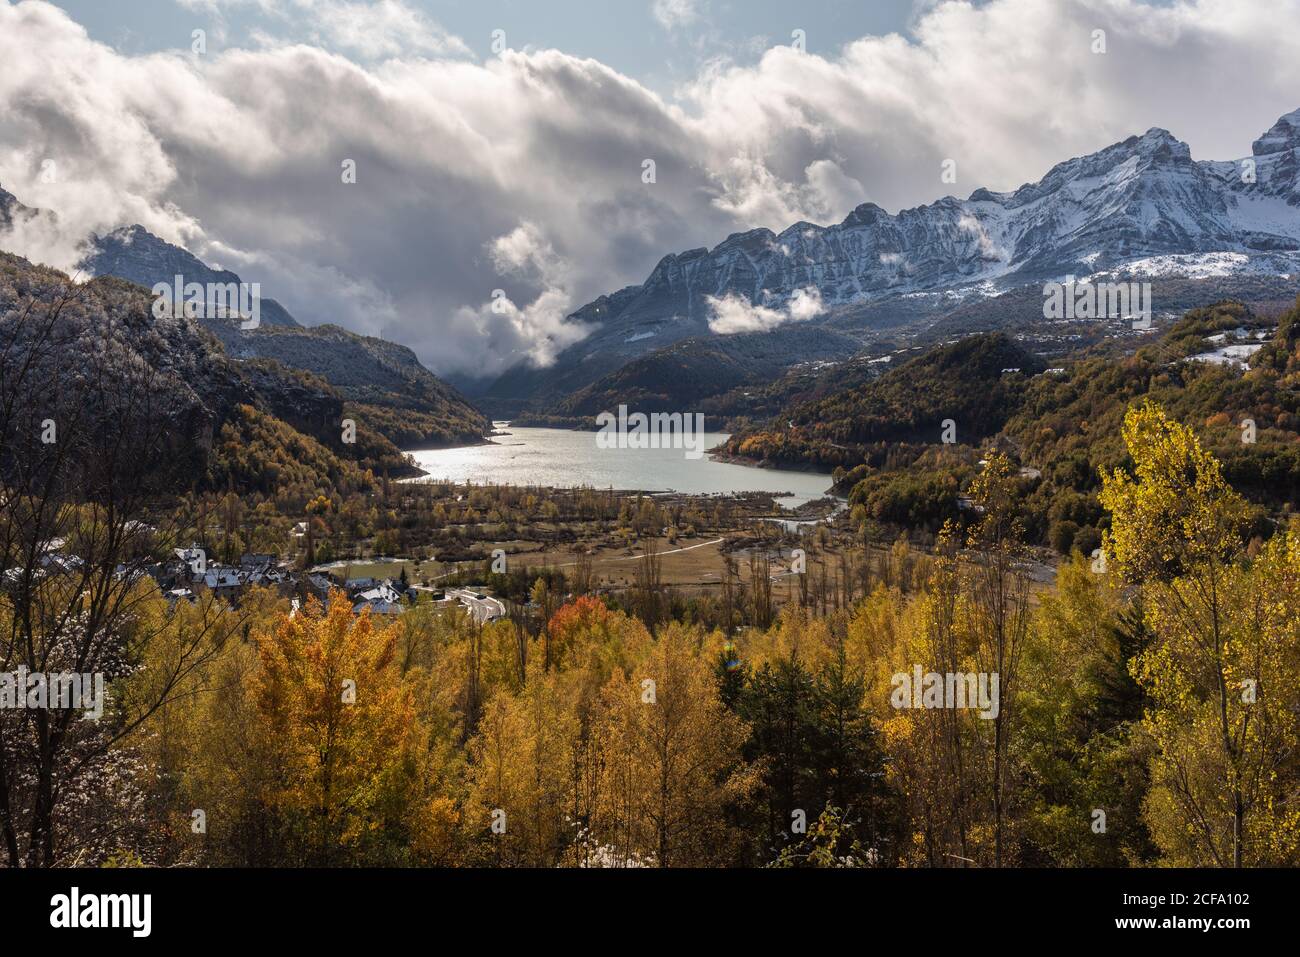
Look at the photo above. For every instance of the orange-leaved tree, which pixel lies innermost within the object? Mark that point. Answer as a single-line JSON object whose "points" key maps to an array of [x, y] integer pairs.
{"points": [[345, 736]]}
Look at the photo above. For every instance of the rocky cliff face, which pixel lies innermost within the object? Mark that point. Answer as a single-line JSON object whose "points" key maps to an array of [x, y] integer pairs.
{"points": [[1142, 205], [304, 401], [13, 212], [9, 208]]}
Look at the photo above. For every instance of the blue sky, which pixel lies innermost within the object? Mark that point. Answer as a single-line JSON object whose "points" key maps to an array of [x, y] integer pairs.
{"points": [[624, 34]]}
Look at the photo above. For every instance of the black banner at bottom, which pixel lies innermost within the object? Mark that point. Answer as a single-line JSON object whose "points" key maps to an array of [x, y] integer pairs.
{"points": [[143, 906]]}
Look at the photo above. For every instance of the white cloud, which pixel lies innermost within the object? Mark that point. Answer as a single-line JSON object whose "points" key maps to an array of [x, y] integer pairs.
{"points": [[673, 14], [382, 29], [805, 304], [524, 251], [542, 325], [523, 172], [372, 29], [734, 313], [750, 192], [989, 249]]}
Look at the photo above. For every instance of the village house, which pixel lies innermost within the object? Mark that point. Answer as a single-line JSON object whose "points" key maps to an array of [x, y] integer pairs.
{"points": [[189, 570], [178, 594], [319, 585], [224, 582], [383, 599]]}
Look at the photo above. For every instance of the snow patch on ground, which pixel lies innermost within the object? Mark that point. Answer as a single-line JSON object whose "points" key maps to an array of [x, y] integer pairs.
{"points": [[1229, 355], [1192, 265]]}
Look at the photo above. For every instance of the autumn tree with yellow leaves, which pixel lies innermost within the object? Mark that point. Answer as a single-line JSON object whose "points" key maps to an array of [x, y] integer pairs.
{"points": [[1221, 670], [344, 733], [670, 760], [520, 776]]}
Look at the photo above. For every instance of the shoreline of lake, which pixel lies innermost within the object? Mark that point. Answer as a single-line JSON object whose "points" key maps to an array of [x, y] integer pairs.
{"points": [[566, 458]]}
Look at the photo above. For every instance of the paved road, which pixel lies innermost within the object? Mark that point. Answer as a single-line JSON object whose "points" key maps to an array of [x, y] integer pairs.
{"points": [[625, 558], [633, 558], [483, 609]]}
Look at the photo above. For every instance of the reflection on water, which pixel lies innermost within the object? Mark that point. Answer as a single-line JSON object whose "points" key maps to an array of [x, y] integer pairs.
{"points": [[564, 458]]}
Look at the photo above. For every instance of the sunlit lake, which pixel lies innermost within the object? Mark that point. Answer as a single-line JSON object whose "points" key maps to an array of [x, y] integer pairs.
{"points": [[561, 458]]}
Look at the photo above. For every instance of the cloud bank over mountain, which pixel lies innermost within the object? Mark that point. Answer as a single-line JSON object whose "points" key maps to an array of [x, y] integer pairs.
{"points": [[524, 174]]}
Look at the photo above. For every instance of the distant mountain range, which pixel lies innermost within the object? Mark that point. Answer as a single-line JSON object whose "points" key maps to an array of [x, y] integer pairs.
{"points": [[135, 254], [383, 383], [1141, 207], [383, 380]]}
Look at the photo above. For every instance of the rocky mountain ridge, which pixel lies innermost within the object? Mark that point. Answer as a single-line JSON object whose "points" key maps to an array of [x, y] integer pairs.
{"points": [[1143, 206]]}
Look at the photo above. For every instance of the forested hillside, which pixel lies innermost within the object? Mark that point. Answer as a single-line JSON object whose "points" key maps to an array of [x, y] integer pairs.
{"points": [[722, 376], [1061, 426], [976, 382], [601, 733], [383, 382], [207, 396]]}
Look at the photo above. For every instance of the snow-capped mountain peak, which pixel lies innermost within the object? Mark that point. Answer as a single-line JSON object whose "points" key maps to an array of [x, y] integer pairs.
{"points": [[1284, 135], [1144, 200]]}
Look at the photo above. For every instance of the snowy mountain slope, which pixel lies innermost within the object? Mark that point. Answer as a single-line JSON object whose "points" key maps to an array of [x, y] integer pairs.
{"points": [[1143, 200]]}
